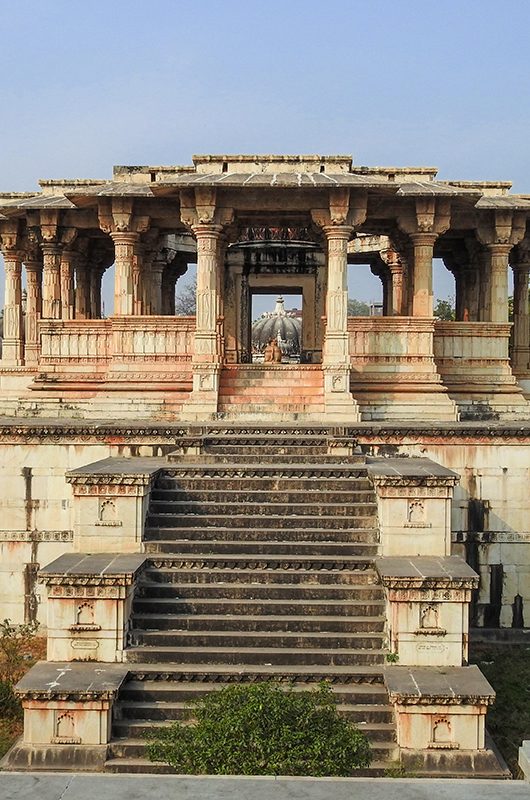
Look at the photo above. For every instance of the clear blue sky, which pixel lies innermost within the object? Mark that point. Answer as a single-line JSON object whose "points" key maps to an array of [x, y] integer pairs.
{"points": [[86, 85]]}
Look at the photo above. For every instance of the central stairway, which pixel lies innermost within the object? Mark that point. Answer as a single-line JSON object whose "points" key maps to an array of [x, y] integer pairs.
{"points": [[261, 568]]}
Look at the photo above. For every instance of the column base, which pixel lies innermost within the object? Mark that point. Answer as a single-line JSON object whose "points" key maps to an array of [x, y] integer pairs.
{"points": [[338, 400], [204, 398]]}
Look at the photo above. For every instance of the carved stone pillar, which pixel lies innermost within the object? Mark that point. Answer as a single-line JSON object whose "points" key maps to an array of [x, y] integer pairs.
{"points": [[95, 278], [33, 310], [68, 258], [82, 289], [13, 337], [156, 270], [336, 351], [521, 319], [422, 298], [124, 244], [498, 281], [207, 354], [51, 280], [396, 275]]}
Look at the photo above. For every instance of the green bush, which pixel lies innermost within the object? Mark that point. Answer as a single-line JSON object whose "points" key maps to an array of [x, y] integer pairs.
{"points": [[10, 707], [263, 729]]}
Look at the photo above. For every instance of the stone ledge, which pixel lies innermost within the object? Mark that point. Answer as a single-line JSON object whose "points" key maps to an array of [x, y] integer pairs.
{"points": [[123, 471], [426, 572], [438, 686], [82, 569], [409, 472], [55, 757], [67, 681]]}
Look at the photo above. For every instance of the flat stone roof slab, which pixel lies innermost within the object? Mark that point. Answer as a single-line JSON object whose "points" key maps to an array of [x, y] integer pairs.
{"points": [[121, 466], [408, 468], [434, 685], [439, 568], [79, 680], [101, 565]]}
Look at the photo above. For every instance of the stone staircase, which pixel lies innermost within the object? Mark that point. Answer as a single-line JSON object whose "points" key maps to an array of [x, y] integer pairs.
{"points": [[257, 389], [261, 568]]}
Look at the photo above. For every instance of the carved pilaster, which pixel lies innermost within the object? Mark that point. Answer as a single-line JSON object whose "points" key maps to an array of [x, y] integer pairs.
{"points": [[68, 258], [51, 280], [33, 309], [521, 312], [498, 281], [422, 299], [124, 245], [13, 342]]}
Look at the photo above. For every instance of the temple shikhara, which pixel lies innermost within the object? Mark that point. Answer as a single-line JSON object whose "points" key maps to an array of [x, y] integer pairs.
{"points": [[191, 501]]}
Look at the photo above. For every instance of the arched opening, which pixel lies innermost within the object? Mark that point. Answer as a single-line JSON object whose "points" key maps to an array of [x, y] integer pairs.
{"points": [[365, 291], [276, 321]]}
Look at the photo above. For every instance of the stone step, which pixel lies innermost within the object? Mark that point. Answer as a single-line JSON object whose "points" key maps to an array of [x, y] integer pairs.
{"points": [[140, 695], [277, 449], [142, 766], [210, 546], [129, 748], [365, 675], [377, 725], [227, 507], [282, 496], [162, 576], [167, 557], [211, 605], [258, 458], [306, 470], [361, 625], [156, 632], [275, 521], [316, 536], [170, 591], [261, 656], [237, 481]]}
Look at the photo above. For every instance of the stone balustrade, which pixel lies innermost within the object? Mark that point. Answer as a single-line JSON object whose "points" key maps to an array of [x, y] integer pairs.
{"points": [[156, 349], [473, 361], [393, 373]]}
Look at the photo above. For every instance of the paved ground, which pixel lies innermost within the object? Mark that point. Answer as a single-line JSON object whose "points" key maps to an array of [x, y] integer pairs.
{"points": [[34, 786]]}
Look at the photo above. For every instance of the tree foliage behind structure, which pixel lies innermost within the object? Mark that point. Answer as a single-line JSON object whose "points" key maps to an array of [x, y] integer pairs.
{"points": [[263, 729], [186, 299]]}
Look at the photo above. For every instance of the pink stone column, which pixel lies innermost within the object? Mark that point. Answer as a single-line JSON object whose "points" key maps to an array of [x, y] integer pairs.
{"points": [[67, 284], [51, 281], [124, 245], [33, 311], [422, 297], [13, 341], [336, 339], [207, 293], [521, 318], [498, 282], [82, 291]]}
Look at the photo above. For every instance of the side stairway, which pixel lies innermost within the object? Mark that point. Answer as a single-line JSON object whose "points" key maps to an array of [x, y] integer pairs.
{"points": [[261, 568], [258, 389]]}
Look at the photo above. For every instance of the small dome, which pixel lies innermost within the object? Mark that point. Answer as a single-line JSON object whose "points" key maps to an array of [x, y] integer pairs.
{"points": [[279, 325]]}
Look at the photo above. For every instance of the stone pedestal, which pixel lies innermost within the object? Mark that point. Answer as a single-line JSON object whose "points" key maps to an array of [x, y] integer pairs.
{"points": [[440, 716], [67, 716], [89, 605], [427, 601], [414, 505], [111, 500]]}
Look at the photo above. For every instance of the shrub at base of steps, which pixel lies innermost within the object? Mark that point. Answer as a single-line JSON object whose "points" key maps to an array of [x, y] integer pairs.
{"points": [[262, 729]]}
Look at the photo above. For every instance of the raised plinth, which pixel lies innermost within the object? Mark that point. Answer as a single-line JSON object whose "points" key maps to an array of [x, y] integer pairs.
{"points": [[67, 716], [440, 715], [89, 604], [427, 608]]}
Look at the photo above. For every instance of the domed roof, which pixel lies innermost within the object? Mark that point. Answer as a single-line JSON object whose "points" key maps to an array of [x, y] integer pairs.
{"points": [[279, 325]]}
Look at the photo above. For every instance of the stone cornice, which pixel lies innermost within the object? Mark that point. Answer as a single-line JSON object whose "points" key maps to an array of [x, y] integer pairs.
{"points": [[33, 431]]}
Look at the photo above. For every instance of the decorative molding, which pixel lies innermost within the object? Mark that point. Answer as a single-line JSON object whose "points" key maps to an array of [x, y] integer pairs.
{"points": [[36, 536]]}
